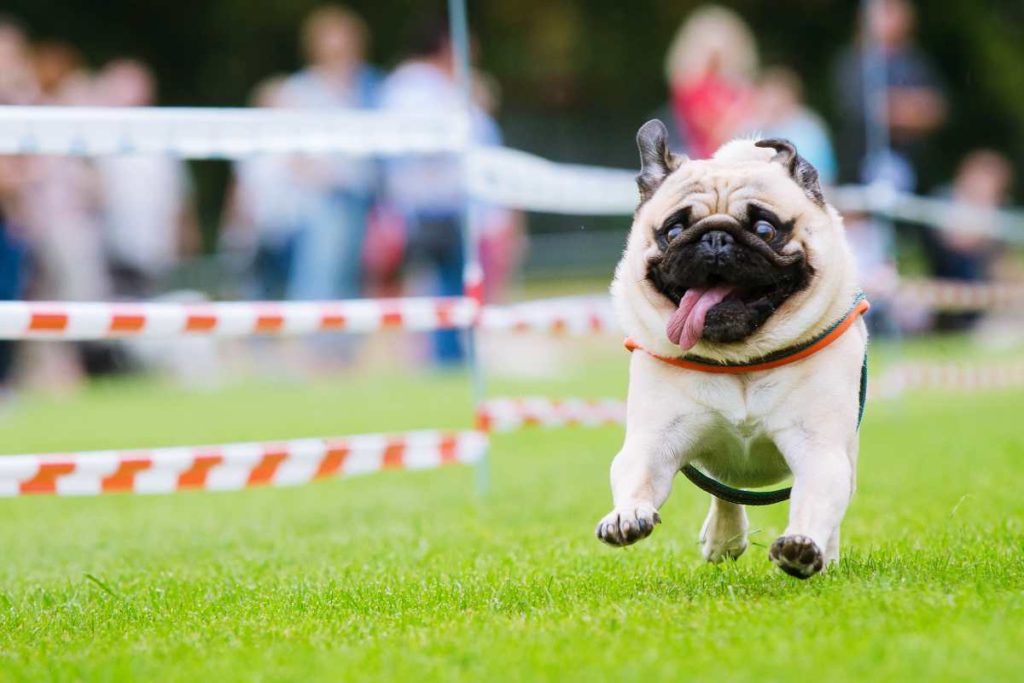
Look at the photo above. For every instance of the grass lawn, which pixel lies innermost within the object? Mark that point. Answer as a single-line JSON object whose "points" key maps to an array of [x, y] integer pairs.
{"points": [[410, 576]]}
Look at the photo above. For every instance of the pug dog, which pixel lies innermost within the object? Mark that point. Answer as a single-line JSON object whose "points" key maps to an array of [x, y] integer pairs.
{"points": [[737, 263]]}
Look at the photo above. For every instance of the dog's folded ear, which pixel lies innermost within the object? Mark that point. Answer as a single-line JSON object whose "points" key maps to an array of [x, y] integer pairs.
{"points": [[656, 161], [805, 175]]}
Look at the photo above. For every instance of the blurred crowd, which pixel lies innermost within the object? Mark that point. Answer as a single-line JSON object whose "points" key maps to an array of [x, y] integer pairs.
{"points": [[324, 228], [77, 229], [300, 228]]}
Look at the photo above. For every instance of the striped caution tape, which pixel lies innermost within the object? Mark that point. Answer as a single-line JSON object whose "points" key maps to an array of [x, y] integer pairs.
{"points": [[511, 414], [78, 321], [233, 466]]}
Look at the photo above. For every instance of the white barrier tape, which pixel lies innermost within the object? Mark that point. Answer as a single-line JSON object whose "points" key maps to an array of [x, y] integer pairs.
{"points": [[233, 466], [82, 321], [520, 180], [510, 414], [524, 181], [503, 176], [211, 133], [943, 214]]}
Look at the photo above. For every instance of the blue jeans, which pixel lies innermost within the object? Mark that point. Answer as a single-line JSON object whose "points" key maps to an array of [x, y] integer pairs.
{"points": [[435, 241], [329, 249], [13, 258], [274, 267]]}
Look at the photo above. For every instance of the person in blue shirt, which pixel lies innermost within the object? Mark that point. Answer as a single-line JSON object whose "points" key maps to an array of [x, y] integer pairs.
{"points": [[781, 113], [428, 191], [338, 190]]}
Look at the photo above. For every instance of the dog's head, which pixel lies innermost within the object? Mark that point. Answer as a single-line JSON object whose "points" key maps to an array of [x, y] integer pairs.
{"points": [[719, 247]]}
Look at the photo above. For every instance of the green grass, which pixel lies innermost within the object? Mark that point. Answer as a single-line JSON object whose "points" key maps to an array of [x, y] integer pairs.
{"points": [[408, 575]]}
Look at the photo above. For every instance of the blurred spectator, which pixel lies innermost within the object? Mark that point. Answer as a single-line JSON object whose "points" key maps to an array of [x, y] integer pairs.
{"points": [[58, 67], [17, 86], [12, 257], [147, 216], [60, 196], [338, 192], [428, 191], [963, 252], [915, 103], [502, 231], [875, 256], [17, 79], [264, 209], [779, 112], [710, 66], [60, 201]]}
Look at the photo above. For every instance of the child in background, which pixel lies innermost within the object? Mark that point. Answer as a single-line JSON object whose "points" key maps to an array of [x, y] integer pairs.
{"points": [[779, 112]]}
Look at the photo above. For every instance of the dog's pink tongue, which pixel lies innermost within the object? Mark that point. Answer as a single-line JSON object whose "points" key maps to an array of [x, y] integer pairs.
{"points": [[687, 323]]}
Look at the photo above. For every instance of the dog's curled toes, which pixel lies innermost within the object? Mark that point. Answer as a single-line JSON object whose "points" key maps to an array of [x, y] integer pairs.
{"points": [[627, 525], [717, 548], [798, 556], [724, 534]]}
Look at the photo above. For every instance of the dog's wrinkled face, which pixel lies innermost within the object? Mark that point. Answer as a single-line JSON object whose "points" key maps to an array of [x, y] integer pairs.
{"points": [[724, 245]]}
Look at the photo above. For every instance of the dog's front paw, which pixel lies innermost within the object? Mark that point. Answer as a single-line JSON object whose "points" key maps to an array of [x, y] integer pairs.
{"points": [[625, 526], [798, 556]]}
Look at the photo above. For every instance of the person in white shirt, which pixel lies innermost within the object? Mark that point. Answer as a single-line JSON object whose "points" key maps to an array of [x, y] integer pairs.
{"points": [[265, 210], [148, 219]]}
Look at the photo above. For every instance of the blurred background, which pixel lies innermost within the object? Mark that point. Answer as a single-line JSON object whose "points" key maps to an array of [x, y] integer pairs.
{"points": [[570, 81]]}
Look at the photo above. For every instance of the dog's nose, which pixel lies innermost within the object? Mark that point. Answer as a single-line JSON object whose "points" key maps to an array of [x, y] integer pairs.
{"points": [[717, 241]]}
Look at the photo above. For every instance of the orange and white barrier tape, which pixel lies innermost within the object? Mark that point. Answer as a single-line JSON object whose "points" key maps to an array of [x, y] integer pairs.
{"points": [[72, 321], [947, 376], [951, 295], [78, 321], [233, 466], [571, 315], [594, 314], [509, 414]]}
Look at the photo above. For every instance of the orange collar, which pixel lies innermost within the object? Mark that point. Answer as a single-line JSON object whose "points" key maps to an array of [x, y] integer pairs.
{"points": [[777, 359]]}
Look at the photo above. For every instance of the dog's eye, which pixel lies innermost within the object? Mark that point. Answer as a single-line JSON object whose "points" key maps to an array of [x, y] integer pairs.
{"points": [[764, 230], [674, 232]]}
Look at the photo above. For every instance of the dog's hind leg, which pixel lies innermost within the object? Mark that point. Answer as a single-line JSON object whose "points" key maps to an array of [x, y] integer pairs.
{"points": [[724, 535], [832, 548]]}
